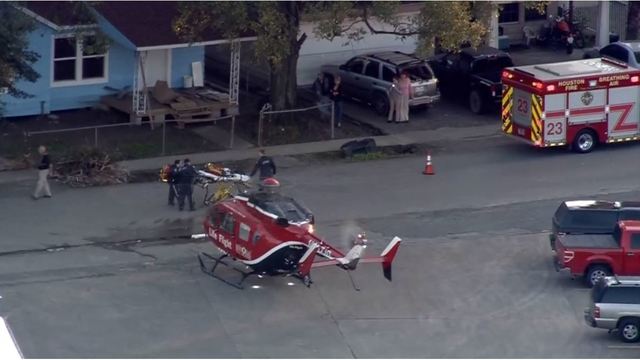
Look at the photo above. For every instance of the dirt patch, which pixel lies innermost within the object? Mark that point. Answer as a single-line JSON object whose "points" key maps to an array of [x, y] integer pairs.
{"points": [[292, 128]]}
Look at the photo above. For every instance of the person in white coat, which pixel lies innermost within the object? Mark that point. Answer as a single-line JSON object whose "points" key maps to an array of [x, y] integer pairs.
{"points": [[395, 97]]}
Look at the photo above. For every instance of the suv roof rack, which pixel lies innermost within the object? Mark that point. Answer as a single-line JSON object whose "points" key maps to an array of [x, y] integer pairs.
{"points": [[393, 57]]}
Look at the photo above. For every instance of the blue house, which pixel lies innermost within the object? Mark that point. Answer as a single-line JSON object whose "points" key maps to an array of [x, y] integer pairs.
{"points": [[144, 50]]}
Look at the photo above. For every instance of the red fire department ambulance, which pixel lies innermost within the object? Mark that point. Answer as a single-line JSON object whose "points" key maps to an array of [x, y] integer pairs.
{"points": [[578, 103]]}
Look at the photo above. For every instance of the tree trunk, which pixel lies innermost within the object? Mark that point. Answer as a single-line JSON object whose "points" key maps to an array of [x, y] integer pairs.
{"points": [[633, 20], [284, 79], [284, 83], [482, 12]]}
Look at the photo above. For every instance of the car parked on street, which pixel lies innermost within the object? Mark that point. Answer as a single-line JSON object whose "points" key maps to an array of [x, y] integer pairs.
{"points": [[591, 217], [368, 77], [615, 305], [625, 51], [473, 75]]}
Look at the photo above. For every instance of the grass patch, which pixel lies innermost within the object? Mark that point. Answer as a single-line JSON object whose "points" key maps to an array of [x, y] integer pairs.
{"points": [[377, 155]]}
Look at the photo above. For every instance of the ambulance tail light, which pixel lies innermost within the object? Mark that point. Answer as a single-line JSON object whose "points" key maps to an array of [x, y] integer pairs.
{"points": [[635, 79], [506, 74], [551, 87]]}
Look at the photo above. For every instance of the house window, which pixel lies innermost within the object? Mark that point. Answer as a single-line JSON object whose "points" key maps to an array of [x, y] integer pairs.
{"points": [[534, 14], [76, 61], [509, 13]]}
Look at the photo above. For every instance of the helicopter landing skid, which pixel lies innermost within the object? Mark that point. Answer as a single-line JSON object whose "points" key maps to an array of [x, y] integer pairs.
{"points": [[218, 260]]}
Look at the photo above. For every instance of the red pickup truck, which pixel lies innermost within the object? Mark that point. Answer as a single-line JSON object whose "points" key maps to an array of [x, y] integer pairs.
{"points": [[596, 255]]}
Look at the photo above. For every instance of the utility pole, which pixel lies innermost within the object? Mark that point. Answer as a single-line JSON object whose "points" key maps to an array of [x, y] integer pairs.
{"points": [[602, 37]]}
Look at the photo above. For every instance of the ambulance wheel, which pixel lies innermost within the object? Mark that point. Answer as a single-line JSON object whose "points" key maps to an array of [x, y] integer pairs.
{"points": [[584, 141], [476, 103]]}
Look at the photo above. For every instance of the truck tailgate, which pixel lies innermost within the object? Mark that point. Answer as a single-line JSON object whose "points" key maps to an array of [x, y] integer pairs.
{"points": [[594, 241]]}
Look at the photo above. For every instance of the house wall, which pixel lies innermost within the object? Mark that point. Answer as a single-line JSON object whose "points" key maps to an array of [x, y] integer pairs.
{"points": [[514, 29], [120, 70], [313, 54], [582, 10], [181, 60]]}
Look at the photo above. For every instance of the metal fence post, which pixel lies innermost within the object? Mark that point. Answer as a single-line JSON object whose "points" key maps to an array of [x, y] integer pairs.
{"points": [[260, 129], [333, 119], [164, 136], [233, 128], [95, 137]]}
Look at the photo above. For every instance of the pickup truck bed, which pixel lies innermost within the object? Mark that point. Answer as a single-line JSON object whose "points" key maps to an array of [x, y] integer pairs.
{"points": [[594, 241]]}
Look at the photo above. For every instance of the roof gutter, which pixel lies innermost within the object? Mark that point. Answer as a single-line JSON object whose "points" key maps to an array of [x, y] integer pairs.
{"points": [[199, 43], [39, 18], [54, 26]]}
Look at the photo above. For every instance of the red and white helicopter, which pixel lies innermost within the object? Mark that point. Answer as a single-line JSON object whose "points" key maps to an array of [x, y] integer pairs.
{"points": [[273, 235]]}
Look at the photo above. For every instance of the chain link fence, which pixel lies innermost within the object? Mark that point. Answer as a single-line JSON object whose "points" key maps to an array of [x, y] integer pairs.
{"points": [[127, 140], [271, 122]]}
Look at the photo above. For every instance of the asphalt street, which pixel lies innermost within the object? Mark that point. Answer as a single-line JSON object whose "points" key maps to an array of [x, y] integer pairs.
{"points": [[111, 272]]}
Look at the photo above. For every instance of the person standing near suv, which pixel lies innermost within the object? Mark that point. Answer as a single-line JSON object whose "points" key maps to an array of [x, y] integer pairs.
{"points": [[336, 96], [395, 97], [321, 87], [405, 90]]}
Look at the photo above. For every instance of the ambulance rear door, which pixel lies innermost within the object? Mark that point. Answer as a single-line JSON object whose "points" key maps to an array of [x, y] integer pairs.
{"points": [[623, 113], [521, 111], [555, 119]]}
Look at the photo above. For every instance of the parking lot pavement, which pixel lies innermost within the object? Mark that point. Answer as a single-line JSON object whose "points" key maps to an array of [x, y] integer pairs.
{"points": [[473, 277], [446, 113], [464, 295]]}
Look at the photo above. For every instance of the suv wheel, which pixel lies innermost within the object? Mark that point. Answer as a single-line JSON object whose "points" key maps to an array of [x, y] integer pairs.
{"points": [[629, 330], [476, 103], [595, 272], [380, 104]]}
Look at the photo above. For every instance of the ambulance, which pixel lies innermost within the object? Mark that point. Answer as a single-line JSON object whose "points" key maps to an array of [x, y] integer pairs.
{"points": [[578, 103]]}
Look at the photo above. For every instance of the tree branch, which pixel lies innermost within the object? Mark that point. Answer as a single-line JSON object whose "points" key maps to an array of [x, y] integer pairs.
{"points": [[301, 40], [365, 19], [347, 28]]}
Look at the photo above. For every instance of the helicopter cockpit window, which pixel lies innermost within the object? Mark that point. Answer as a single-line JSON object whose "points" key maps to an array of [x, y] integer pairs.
{"points": [[228, 223], [215, 217], [256, 238], [245, 230]]}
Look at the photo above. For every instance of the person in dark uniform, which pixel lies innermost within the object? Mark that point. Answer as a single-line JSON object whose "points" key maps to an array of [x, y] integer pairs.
{"points": [[266, 166], [43, 172], [173, 181], [186, 178]]}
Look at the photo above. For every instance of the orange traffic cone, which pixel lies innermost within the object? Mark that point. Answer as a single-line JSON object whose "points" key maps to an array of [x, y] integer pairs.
{"points": [[428, 168]]}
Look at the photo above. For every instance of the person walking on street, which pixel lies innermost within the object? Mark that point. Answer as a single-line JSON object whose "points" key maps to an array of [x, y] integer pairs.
{"points": [[337, 97], [173, 181], [321, 88], [43, 171], [186, 178], [265, 165], [394, 101], [406, 93]]}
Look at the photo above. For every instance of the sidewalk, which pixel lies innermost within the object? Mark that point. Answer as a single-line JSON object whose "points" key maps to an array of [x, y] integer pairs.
{"points": [[407, 138]]}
